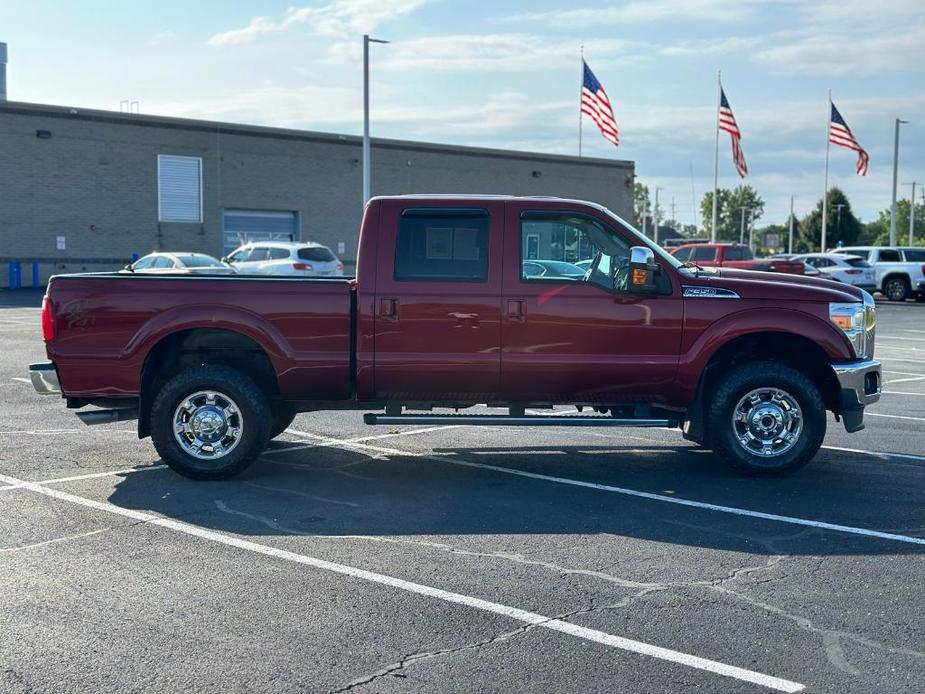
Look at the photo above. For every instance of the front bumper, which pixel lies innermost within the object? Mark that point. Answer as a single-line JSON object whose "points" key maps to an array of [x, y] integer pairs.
{"points": [[860, 383], [45, 378]]}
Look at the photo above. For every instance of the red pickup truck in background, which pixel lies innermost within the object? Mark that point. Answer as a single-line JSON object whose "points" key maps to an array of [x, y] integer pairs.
{"points": [[733, 255], [517, 303]]}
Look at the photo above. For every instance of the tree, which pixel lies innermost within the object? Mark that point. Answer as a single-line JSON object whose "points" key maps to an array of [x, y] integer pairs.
{"points": [[842, 227], [641, 203], [877, 233], [728, 214]]}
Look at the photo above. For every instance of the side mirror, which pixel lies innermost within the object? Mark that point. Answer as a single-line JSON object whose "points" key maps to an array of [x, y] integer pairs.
{"points": [[128, 268], [224, 259], [642, 270]]}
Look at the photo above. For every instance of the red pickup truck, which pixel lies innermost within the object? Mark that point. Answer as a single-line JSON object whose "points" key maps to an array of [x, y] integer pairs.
{"points": [[449, 310], [734, 255]]}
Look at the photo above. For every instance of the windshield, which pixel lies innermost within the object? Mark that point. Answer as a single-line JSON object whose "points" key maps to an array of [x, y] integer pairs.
{"points": [[199, 261], [643, 240]]}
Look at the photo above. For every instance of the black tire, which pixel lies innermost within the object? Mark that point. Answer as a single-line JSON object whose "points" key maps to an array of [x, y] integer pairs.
{"points": [[283, 414], [896, 289], [746, 379], [251, 412]]}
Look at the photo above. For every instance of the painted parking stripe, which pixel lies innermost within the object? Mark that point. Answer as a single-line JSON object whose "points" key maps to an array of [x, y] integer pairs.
{"points": [[523, 616], [94, 475], [894, 416], [792, 520], [904, 380], [877, 454]]}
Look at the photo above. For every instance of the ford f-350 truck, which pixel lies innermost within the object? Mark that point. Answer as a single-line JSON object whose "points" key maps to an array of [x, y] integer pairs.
{"points": [[444, 314]]}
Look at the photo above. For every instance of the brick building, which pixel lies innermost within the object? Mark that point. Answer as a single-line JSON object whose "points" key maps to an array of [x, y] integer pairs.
{"points": [[85, 190]]}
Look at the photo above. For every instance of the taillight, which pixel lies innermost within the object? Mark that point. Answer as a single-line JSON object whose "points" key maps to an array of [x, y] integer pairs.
{"points": [[48, 321], [340, 266], [852, 272], [302, 266]]}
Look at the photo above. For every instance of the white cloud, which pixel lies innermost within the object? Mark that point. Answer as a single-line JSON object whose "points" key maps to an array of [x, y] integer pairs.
{"points": [[647, 11], [340, 18]]}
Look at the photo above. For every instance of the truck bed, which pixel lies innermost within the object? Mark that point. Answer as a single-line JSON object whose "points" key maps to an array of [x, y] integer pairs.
{"points": [[107, 325]]}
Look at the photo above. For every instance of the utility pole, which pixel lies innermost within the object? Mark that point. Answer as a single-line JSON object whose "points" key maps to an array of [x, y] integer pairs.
{"points": [[895, 171], [838, 221], [655, 220], [742, 226], [790, 244], [366, 163], [912, 211]]}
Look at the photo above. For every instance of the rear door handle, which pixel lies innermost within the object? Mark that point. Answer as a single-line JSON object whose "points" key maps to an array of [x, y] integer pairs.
{"points": [[517, 310], [388, 309]]}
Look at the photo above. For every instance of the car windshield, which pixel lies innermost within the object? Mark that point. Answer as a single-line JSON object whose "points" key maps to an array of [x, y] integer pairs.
{"points": [[196, 260], [643, 240], [856, 262], [320, 254], [865, 254]]}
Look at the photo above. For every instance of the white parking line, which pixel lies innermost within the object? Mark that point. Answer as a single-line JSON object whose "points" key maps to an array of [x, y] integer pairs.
{"points": [[20, 380], [904, 380], [89, 476], [894, 416], [877, 454], [362, 439], [792, 520], [901, 392], [523, 616]]}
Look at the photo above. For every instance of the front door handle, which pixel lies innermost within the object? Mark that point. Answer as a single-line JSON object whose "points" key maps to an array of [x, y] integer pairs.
{"points": [[517, 310], [388, 309]]}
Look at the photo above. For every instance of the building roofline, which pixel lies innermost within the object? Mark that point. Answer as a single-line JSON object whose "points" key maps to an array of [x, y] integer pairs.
{"points": [[145, 120]]}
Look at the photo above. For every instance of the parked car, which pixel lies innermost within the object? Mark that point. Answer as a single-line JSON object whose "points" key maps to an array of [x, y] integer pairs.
{"points": [[733, 255], [553, 269], [184, 263], [442, 315], [850, 269], [285, 258], [900, 272]]}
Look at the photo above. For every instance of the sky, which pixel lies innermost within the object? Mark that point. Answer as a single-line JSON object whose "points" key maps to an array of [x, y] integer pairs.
{"points": [[506, 74]]}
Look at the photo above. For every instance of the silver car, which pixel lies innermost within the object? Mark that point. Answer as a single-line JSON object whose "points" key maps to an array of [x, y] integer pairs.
{"points": [[179, 262]]}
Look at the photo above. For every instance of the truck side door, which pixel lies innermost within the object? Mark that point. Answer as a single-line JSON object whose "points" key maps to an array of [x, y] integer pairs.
{"points": [[438, 300], [577, 338]]}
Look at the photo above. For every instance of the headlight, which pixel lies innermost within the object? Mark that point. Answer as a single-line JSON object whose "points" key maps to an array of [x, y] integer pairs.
{"points": [[857, 320]]}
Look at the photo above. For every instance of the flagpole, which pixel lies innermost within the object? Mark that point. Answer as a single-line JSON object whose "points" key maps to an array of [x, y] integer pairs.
{"points": [[581, 83], [719, 90], [825, 192]]}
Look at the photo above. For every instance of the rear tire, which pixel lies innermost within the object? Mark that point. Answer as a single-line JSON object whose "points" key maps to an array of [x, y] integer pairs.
{"points": [[210, 422], [896, 289], [283, 414], [767, 418]]}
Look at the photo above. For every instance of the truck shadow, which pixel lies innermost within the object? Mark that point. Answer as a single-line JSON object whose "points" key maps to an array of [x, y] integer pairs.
{"points": [[334, 492]]}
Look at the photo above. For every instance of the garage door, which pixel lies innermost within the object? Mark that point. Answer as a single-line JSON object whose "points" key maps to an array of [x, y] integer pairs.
{"points": [[243, 226]]}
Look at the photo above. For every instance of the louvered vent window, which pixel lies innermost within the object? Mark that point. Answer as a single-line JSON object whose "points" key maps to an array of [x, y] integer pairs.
{"points": [[179, 188]]}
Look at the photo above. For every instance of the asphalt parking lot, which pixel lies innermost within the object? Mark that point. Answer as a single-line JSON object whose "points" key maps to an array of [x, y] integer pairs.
{"points": [[460, 559]]}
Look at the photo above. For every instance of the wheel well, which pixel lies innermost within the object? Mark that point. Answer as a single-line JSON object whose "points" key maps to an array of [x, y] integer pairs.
{"points": [[197, 347], [895, 275], [798, 352]]}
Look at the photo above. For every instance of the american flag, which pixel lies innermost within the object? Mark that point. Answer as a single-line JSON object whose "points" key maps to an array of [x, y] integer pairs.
{"points": [[840, 134], [595, 103], [727, 122]]}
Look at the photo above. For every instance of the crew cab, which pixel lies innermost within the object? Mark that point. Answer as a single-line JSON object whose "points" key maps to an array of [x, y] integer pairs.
{"points": [[443, 314], [734, 255], [900, 272]]}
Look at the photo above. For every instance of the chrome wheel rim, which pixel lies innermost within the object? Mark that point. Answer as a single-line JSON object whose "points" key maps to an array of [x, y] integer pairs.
{"points": [[767, 422], [208, 425]]}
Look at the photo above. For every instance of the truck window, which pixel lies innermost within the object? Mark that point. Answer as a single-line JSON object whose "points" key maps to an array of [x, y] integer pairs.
{"points": [[438, 245], [738, 253], [889, 255], [564, 247], [683, 254], [914, 255], [703, 253]]}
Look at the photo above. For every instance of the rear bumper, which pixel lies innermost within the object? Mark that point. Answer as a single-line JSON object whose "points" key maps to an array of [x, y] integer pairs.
{"points": [[44, 378], [860, 383]]}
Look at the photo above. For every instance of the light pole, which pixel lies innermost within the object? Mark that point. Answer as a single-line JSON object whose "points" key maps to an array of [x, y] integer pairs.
{"points": [[655, 220], [742, 227], [895, 170], [790, 243], [912, 211], [366, 41], [838, 221]]}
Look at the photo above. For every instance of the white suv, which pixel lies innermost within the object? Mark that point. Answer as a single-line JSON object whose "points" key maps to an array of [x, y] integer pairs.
{"points": [[900, 271], [285, 258]]}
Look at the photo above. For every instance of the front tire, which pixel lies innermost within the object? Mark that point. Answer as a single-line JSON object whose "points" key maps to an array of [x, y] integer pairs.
{"points": [[283, 414], [896, 289], [767, 418], [210, 422]]}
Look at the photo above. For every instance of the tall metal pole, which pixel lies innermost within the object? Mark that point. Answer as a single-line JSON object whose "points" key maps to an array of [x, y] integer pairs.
{"points": [[838, 223], [825, 190], [790, 243], [581, 91], [742, 224], [366, 163], [655, 220], [719, 91], [895, 171], [751, 230], [912, 213]]}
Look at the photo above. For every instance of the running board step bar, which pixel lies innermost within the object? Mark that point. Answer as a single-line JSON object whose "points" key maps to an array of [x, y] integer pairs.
{"points": [[515, 421], [122, 414]]}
